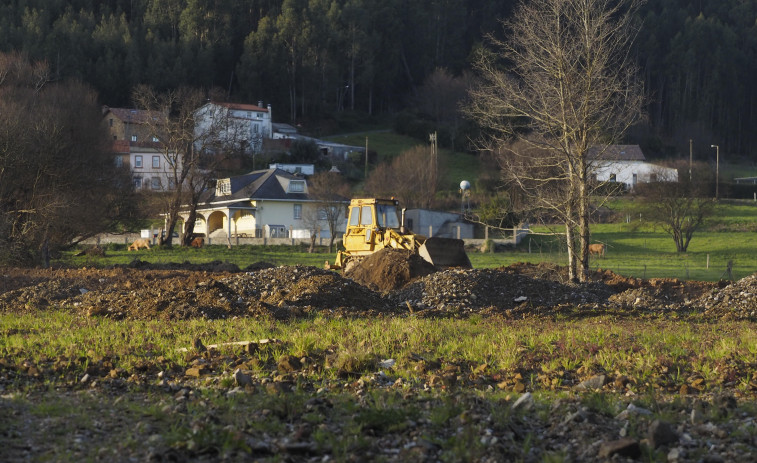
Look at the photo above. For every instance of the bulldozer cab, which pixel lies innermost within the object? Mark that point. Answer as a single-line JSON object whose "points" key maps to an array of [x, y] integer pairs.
{"points": [[367, 218], [374, 213]]}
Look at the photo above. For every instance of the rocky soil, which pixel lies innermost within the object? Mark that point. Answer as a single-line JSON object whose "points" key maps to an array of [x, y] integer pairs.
{"points": [[394, 285]]}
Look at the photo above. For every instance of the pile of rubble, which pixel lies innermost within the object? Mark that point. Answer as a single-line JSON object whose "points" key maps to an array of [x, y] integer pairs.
{"points": [[385, 283]]}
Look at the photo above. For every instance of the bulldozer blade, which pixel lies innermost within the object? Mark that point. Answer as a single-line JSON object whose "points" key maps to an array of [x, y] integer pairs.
{"points": [[445, 252]]}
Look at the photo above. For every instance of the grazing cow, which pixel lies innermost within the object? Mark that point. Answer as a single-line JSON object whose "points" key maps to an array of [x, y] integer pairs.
{"points": [[197, 243], [139, 244], [598, 249]]}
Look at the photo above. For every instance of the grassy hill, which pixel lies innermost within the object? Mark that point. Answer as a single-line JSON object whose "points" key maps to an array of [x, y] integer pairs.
{"points": [[456, 166]]}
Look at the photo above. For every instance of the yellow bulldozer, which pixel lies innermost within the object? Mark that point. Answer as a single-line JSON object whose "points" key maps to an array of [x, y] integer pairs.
{"points": [[373, 224]]}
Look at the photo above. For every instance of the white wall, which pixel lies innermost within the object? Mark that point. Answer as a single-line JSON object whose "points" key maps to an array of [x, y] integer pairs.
{"points": [[237, 127], [624, 172], [163, 171]]}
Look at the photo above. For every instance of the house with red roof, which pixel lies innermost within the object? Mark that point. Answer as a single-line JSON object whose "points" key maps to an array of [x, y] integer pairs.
{"points": [[235, 126]]}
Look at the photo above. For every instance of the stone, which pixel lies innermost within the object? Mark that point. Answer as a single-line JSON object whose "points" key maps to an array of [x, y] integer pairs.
{"points": [[675, 454], [196, 372], [241, 379], [593, 383], [288, 364], [198, 345], [661, 433], [524, 402], [625, 447]]}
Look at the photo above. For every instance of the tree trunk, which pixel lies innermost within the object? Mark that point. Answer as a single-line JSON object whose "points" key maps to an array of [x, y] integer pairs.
{"points": [[189, 228], [583, 221], [570, 241]]}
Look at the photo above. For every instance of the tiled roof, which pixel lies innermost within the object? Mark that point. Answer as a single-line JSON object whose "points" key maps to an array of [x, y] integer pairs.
{"points": [[135, 116], [617, 153], [120, 146], [242, 107], [256, 185]]}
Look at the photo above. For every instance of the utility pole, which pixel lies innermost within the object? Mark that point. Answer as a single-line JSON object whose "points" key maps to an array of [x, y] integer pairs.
{"points": [[717, 169], [691, 153]]}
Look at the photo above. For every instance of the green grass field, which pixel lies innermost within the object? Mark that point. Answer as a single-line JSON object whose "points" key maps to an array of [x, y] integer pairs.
{"points": [[635, 248]]}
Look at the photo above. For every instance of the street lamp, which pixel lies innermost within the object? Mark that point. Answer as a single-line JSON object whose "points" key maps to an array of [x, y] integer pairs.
{"points": [[717, 168]]}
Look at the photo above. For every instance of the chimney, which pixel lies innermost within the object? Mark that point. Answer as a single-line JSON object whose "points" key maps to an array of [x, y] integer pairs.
{"points": [[260, 103]]}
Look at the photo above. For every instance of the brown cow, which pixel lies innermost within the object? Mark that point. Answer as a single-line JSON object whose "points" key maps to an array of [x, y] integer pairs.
{"points": [[197, 242], [598, 249], [139, 244]]}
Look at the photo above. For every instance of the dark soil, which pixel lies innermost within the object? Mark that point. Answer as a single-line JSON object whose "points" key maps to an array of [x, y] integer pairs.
{"points": [[386, 282]]}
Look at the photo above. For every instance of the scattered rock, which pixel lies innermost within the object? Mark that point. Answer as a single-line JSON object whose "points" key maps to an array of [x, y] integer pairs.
{"points": [[625, 447], [288, 364], [241, 379], [593, 383], [524, 402], [661, 433]]}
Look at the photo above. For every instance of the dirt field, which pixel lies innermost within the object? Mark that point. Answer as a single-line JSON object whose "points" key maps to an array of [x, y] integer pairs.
{"points": [[393, 286], [216, 290]]}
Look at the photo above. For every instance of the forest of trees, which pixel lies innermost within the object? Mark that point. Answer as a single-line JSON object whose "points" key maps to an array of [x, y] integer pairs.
{"points": [[315, 58]]}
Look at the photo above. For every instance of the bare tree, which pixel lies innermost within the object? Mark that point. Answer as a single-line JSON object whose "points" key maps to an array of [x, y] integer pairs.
{"points": [[571, 84], [330, 192], [412, 178], [193, 157], [680, 207], [58, 183]]}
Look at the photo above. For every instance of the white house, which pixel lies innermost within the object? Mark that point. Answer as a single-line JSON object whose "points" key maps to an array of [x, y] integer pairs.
{"points": [[151, 167], [271, 203], [236, 125], [626, 164]]}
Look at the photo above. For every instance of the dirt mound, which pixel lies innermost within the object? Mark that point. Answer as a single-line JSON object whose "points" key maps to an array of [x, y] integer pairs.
{"points": [[388, 282], [389, 269], [734, 301], [458, 292]]}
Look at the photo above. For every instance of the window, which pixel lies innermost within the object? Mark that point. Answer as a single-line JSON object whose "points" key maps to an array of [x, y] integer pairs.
{"points": [[634, 179], [223, 187], [119, 161], [155, 139], [613, 178], [155, 184], [366, 218], [156, 162], [322, 215], [138, 161], [137, 183], [110, 121], [133, 138], [297, 186], [387, 216], [354, 216], [171, 184], [297, 211]]}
